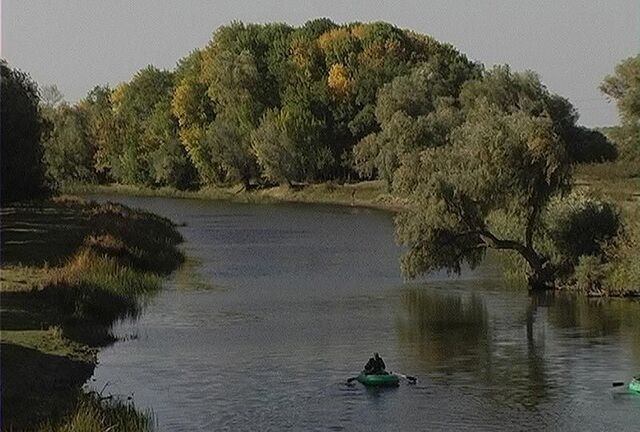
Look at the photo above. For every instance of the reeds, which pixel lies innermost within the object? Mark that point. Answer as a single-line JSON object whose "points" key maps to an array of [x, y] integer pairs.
{"points": [[97, 414]]}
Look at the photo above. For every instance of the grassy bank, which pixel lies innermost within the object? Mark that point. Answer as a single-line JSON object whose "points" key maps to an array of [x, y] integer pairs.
{"points": [[371, 194], [617, 181], [70, 269]]}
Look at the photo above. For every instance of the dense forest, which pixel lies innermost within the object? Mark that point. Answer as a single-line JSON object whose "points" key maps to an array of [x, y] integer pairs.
{"points": [[483, 156]]}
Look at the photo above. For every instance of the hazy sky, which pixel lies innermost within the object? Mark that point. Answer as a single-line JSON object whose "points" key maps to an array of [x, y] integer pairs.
{"points": [[77, 44]]}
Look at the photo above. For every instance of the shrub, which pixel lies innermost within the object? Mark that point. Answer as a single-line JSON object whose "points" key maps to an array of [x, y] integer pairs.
{"points": [[579, 225], [589, 274], [623, 268]]}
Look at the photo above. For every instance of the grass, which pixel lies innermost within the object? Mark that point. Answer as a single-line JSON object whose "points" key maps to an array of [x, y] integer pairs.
{"points": [[95, 414], [69, 270], [364, 194], [618, 182]]}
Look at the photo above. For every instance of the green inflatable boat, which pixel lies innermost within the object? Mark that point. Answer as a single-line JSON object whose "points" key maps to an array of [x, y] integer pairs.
{"points": [[388, 379], [634, 385]]}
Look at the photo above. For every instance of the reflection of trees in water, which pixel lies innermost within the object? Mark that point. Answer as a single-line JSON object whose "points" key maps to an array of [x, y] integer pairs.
{"points": [[452, 333], [189, 277], [442, 328], [596, 317]]}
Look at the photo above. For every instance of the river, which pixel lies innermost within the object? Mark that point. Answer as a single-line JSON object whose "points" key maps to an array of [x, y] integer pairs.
{"points": [[278, 305]]}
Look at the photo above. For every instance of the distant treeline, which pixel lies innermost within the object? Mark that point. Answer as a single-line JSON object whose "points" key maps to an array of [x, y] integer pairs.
{"points": [[279, 104]]}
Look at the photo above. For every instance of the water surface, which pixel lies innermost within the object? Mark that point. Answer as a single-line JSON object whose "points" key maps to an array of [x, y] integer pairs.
{"points": [[278, 305]]}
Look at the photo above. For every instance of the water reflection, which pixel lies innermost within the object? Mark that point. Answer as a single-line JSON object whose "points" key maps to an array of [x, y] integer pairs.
{"points": [[188, 276], [598, 319], [315, 304], [445, 331], [451, 336]]}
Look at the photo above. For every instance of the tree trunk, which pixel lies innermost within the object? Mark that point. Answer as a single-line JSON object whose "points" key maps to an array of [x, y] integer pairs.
{"points": [[542, 273]]}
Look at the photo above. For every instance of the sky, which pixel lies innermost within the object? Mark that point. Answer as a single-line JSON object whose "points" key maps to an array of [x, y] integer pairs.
{"points": [[77, 44]]}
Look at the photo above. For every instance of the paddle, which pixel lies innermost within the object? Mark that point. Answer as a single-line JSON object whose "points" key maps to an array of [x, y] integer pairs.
{"points": [[617, 384], [352, 379], [409, 378]]}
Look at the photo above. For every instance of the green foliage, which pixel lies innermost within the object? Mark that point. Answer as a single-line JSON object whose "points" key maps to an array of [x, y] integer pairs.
{"points": [[136, 105], [624, 87], [169, 162], [623, 259], [498, 162], [589, 274], [194, 111], [627, 140], [288, 146], [22, 130], [94, 414], [144, 145], [415, 112], [521, 91], [99, 125], [68, 151], [230, 150], [579, 225], [591, 146]]}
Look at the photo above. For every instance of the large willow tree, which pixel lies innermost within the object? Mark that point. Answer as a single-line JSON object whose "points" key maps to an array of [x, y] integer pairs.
{"points": [[506, 159]]}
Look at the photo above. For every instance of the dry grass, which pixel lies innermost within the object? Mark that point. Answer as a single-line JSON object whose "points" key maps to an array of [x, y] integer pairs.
{"points": [[71, 268]]}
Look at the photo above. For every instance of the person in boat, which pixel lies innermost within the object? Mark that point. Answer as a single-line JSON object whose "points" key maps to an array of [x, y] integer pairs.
{"points": [[375, 366]]}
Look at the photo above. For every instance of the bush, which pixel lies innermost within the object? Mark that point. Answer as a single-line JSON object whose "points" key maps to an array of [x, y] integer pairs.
{"points": [[623, 256], [579, 225], [591, 146], [589, 274]]}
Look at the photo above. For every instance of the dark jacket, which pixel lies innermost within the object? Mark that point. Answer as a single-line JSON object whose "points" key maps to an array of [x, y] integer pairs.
{"points": [[374, 366]]}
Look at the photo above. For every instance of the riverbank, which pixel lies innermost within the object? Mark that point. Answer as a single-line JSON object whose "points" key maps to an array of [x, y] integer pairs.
{"points": [[70, 269], [370, 194], [618, 182]]}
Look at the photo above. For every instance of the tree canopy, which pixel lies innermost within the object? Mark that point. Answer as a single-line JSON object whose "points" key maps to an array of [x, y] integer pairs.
{"points": [[508, 162], [22, 131], [623, 86]]}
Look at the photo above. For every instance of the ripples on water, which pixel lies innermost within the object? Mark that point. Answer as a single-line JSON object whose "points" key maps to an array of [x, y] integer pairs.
{"points": [[279, 305]]}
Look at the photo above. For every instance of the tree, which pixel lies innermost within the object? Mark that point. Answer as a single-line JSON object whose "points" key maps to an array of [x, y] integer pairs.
{"points": [[68, 152], [22, 128], [591, 146], [137, 106], [624, 87], [288, 146], [194, 110], [50, 96], [415, 111], [234, 70], [499, 162], [580, 225], [170, 164], [230, 151], [99, 124]]}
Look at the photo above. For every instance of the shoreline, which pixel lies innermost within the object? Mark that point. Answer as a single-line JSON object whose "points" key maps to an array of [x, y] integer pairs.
{"points": [[617, 181], [60, 298], [369, 194]]}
